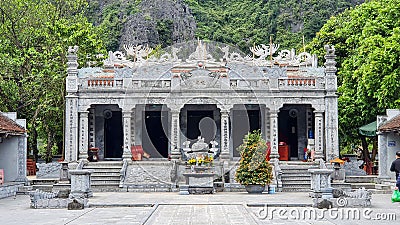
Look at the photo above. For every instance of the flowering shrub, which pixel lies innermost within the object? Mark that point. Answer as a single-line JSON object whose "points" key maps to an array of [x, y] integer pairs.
{"points": [[201, 160]]}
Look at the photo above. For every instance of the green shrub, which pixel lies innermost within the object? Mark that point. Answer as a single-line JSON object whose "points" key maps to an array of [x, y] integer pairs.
{"points": [[253, 166]]}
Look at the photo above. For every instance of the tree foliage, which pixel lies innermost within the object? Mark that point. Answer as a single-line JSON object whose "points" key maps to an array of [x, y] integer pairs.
{"points": [[247, 22], [34, 38], [367, 43]]}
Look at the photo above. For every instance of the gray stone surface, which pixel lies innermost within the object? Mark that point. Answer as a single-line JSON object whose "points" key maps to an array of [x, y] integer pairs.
{"points": [[148, 173], [80, 184], [220, 208], [48, 170], [9, 189]]}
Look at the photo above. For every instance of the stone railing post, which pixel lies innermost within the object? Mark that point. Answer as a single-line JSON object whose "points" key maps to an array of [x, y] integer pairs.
{"points": [[80, 184], [320, 179]]}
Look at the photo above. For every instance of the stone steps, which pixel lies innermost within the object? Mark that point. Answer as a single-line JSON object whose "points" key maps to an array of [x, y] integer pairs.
{"points": [[43, 184], [43, 187], [295, 176], [362, 185], [24, 190], [105, 175], [361, 179]]}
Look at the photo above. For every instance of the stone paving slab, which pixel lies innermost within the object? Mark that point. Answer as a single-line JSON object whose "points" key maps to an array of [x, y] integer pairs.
{"points": [[172, 208], [201, 214]]}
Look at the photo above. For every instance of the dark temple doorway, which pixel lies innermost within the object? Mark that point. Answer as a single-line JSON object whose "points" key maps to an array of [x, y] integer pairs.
{"points": [[201, 123], [113, 134], [288, 130], [155, 140], [244, 121]]}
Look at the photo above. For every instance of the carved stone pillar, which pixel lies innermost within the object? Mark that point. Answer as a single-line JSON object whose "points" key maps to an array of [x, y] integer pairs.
{"points": [[224, 135], [71, 107], [83, 135], [127, 154], [274, 134], [133, 126], [267, 125], [175, 131], [319, 134], [71, 128]]}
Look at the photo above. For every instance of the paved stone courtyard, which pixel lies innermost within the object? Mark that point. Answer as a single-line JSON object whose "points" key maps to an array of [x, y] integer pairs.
{"points": [[220, 208]]}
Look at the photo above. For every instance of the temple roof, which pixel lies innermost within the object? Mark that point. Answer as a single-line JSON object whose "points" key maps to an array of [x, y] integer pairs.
{"points": [[392, 125], [8, 126]]}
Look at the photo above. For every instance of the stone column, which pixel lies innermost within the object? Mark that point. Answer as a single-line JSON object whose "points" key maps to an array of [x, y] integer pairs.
{"points": [[267, 125], [331, 127], [133, 127], [331, 102], [71, 106], [384, 173], [175, 131], [224, 135], [274, 134], [71, 128], [127, 154], [21, 160], [319, 134], [83, 135]]}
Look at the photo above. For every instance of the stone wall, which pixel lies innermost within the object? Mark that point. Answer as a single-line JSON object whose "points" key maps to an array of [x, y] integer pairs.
{"points": [[48, 170], [148, 173], [9, 189]]}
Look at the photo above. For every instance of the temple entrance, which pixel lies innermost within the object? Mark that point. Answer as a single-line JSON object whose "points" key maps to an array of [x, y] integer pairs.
{"points": [[294, 122], [244, 121], [200, 120], [155, 132], [113, 134]]}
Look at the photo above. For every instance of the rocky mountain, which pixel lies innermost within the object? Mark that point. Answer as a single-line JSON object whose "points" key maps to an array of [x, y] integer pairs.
{"points": [[152, 22], [239, 22]]}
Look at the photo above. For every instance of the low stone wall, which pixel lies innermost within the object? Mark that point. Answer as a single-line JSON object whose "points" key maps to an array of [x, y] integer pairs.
{"points": [[54, 203], [9, 189], [48, 170], [148, 173]]}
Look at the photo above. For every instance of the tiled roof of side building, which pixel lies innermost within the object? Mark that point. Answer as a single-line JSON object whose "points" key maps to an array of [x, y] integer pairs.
{"points": [[391, 125], [9, 126]]}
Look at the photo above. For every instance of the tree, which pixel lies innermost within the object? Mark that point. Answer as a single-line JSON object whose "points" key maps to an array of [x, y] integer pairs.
{"points": [[367, 43], [253, 166], [34, 38]]}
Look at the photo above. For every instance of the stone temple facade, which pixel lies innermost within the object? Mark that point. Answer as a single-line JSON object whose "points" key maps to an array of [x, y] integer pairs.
{"points": [[166, 100]]}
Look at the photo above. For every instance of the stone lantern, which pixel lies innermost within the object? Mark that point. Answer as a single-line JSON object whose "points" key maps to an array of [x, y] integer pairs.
{"points": [[339, 172]]}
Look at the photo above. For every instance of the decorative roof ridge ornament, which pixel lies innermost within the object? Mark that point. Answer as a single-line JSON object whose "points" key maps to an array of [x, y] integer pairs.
{"points": [[200, 54]]}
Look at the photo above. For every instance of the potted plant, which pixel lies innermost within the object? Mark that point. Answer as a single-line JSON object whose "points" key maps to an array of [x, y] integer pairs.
{"points": [[254, 170]]}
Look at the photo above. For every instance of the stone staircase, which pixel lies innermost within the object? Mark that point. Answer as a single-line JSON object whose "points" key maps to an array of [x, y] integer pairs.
{"points": [[369, 182], [105, 175], [43, 184], [295, 175]]}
